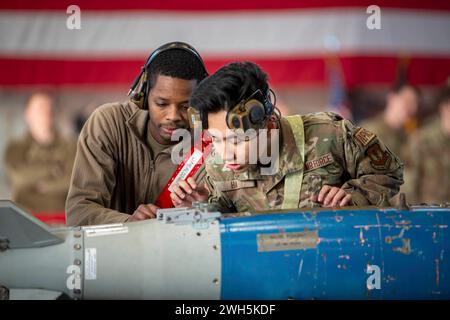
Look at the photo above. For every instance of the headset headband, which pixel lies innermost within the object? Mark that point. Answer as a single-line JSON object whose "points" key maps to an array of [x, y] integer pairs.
{"points": [[140, 96]]}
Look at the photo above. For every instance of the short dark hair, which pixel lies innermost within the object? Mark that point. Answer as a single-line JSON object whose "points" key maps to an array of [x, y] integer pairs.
{"points": [[176, 63], [228, 86]]}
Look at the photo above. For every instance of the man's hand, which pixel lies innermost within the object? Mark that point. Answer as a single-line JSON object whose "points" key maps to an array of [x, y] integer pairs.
{"points": [[332, 197], [144, 212], [187, 191]]}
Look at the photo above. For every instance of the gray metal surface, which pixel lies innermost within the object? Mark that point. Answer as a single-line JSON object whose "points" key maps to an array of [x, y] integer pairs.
{"points": [[33, 294], [140, 260], [153, 260], [39, 268], [22, 230]]}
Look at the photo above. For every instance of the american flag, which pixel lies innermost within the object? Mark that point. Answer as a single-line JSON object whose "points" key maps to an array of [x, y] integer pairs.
{"points": [[286, 37]]}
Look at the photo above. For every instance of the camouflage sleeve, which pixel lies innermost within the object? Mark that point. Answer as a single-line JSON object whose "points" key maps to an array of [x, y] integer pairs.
{"points": [[376, 173], [216, 198]]}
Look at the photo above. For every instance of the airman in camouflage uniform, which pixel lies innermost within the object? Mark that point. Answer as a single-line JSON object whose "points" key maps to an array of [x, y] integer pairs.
{"points": [[339, 157], [337, 153]]}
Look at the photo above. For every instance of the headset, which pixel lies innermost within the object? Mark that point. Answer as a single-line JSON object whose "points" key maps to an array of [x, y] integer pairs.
{"points": [[251, 113], [138, 91]]}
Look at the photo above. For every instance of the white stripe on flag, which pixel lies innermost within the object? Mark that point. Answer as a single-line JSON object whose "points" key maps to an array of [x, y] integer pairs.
{"points": [[283, 33]]}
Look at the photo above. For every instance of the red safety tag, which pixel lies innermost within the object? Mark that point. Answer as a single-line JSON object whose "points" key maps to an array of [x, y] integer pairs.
{"points": [[187, 168]]}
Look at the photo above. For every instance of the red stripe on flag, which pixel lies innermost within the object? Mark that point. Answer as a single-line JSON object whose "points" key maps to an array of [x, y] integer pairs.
{"points": [[282, 72], [204, 5]]}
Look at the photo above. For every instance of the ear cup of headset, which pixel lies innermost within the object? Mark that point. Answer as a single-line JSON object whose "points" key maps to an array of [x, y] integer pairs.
{"points": [[142, 98], [233, 120], [256, 114], [250, 115]]}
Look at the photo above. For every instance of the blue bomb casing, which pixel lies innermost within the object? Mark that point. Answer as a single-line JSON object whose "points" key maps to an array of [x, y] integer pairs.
{"points": [[337, 254], [191, 253]]}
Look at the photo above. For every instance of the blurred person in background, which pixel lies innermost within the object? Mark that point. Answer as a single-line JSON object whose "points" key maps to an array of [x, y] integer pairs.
{"points": [[430, 150], [39, 164], [396, 124], [398, 120]]}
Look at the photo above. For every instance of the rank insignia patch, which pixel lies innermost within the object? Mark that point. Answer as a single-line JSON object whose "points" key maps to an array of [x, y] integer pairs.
{"points": [[364, 136]]}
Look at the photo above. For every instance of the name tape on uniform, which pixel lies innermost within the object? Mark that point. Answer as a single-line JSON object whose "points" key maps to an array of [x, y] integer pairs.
{"points": [[322, 161]]}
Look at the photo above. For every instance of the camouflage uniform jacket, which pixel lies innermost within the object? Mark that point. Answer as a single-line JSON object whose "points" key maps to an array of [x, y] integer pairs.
{"points": [[431, 165], [337, 153]]}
